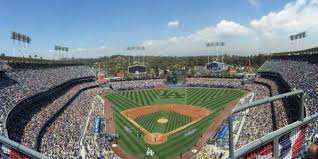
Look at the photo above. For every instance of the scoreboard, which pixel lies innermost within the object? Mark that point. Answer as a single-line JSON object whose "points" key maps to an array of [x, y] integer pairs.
{"points": [[137, 69], [215, 66]]}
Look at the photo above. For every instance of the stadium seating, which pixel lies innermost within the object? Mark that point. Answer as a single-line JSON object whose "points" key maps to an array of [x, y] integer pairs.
{"points": [[93, 146], [50, 89], [137, 84], [261, 120], [19, 84], [4, 66], [300, 71], [44, 128], [59, 140], [26, 124], [214, 82]]}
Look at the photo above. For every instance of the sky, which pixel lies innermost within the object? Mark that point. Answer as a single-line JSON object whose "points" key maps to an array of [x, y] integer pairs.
{"points": [[95, 28]]}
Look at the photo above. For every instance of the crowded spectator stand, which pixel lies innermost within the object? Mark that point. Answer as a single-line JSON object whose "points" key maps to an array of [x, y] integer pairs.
{"points": [[137, 84], [300, 71], [44, 128], [3, 68], [22, 82], [214, 82]]}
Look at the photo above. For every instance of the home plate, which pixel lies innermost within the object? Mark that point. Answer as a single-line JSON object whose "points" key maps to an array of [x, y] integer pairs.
{"points": [[194, 150], [114, 145]]}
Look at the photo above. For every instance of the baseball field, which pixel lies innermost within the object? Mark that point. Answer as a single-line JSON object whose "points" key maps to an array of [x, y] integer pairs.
{"points": [[165, 123]]}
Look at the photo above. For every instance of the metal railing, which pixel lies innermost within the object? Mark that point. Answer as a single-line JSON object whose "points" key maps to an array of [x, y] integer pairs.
{"points": [[273, 136], [23, 149]]}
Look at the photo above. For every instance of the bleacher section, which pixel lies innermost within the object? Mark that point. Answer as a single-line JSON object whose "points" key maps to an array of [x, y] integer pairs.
{"points": [[23, 84], [300, 71], [17, 85]]}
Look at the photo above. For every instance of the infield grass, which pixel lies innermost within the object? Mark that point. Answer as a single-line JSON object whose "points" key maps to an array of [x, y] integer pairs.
{"points": [[213, 99], [175, 120]]}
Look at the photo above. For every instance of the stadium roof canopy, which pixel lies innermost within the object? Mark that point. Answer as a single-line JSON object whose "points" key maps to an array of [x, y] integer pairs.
{"points": [[310, 51], [11, 59]]}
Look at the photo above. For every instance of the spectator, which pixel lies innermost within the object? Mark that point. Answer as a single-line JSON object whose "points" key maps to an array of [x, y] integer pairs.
{"points": [[19, 84], [213, 82], [138, 84]]}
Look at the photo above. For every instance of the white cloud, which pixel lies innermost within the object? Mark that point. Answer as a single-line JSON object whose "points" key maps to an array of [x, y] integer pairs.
{"points": [[147, 43], [173, 24], [224, 29], [80, 50], [295, 17], [268, 33], [254, 3], [194, 44], [230, 28]]}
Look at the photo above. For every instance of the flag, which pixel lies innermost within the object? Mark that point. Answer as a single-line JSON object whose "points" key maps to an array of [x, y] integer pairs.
{"points": [[265, 152], [291, 146]]}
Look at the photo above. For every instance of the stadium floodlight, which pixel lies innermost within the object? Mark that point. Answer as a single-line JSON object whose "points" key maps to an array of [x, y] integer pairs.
{"points": [[298, 38], [24, 37], [214, 45], [28, 40], [136, 49], [20, 38], [60, 49], [13, 35]]}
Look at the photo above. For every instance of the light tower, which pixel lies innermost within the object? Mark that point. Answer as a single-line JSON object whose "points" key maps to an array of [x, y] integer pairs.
{"points": [[297, 38], [21, 39], [137, 68]]}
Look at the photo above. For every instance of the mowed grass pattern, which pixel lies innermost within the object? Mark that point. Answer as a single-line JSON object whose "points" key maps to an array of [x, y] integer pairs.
{"points": [[175, 120], [213, 99]]}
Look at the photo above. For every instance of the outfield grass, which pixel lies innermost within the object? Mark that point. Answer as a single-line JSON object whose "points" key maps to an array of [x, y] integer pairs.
{"points": [[213, 99]]}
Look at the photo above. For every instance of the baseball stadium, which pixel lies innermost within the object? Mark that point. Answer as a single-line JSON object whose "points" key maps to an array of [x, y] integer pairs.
{"points": [[169, 117], [159, 80]]}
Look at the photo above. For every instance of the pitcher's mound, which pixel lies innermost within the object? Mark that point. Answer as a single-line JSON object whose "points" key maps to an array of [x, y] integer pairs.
{"points": [[162, 120]]}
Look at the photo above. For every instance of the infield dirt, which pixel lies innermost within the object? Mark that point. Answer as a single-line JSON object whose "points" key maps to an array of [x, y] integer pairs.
{"points": [[195, 113]]}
